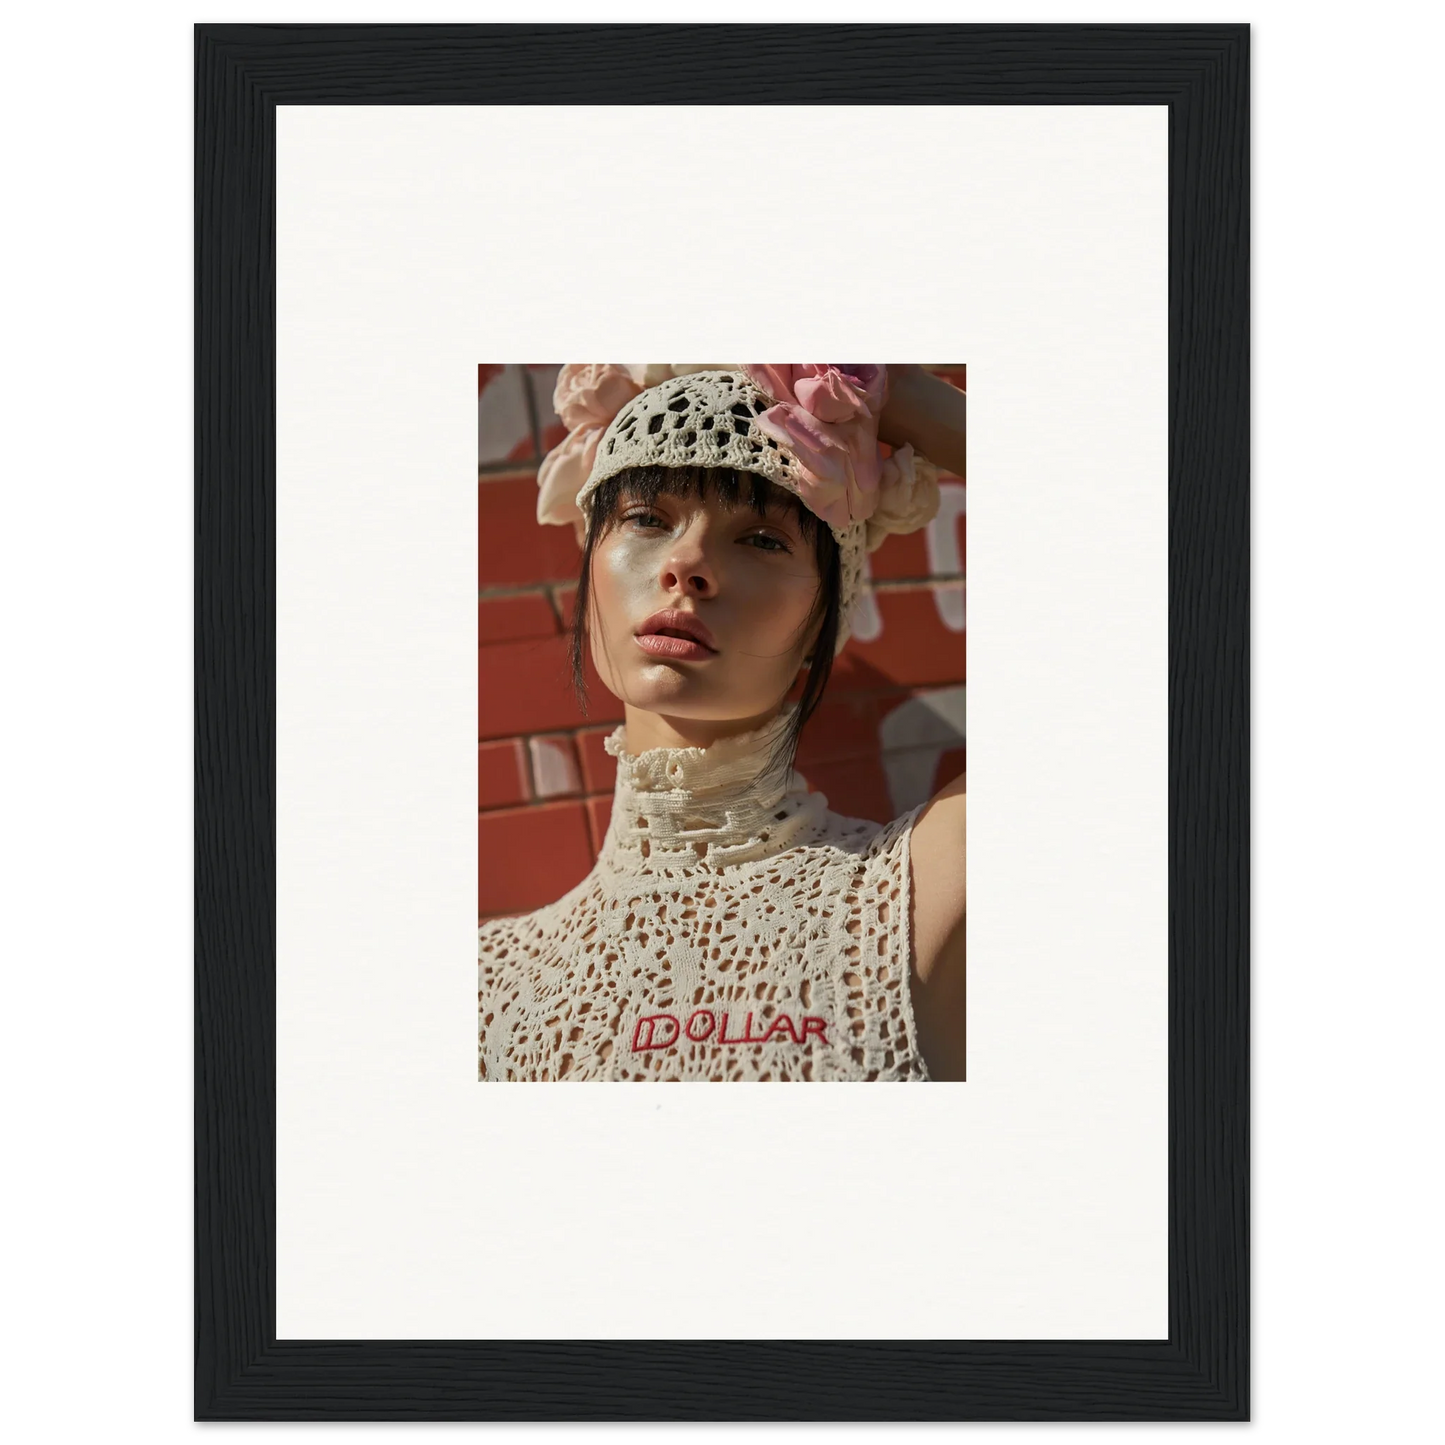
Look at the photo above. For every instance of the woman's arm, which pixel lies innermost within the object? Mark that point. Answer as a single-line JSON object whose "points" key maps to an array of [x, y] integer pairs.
{"points": [[937, 853], [928, 412]]}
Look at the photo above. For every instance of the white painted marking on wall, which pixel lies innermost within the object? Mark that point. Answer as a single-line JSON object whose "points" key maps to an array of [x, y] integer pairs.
{"points": [[554, 768], [502, 419], [519, 761], [866, 622], [948, 598], [914, 736], [544, 386], [944, 557]]}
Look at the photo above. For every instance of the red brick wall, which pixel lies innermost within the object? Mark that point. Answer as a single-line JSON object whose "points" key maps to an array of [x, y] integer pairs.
{"points": [[887, 733]]}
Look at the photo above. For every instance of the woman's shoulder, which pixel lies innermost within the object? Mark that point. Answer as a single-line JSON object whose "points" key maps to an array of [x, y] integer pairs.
{"points": [[864, 839], [941, 825], [921, 853], [937, 852], [842, 853], [939, 905]]}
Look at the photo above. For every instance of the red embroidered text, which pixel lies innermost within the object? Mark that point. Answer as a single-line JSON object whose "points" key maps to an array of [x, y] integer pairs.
{"points": [[662, 1031]]}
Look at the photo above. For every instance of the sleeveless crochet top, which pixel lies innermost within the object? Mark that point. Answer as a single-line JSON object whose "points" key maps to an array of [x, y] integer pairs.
{"points": [[731, 928]]}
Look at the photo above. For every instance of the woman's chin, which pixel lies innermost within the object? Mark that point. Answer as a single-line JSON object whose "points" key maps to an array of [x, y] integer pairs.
{"points": [[667, 690], [670, 691]]}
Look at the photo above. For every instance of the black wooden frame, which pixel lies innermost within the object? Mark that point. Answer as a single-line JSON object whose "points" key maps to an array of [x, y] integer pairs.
{"points": [[1201, 72]]}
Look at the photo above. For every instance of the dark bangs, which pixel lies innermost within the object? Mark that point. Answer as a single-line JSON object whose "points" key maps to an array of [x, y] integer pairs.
{"points": [[731, 485], [735, 488]]}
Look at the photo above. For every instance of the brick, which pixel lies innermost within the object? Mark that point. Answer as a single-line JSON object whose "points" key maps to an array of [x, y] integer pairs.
{"points": [[599, 814], [506, 619], [914, 649], [953, 764], [555, 773], [845, 725], [501, 774], [599, 767], [513, 548], [856, 787], [526, 687], [900, 557], [528, 857]]}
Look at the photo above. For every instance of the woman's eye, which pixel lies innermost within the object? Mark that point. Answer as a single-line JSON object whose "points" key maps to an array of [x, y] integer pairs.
{"points": [[767, 543], [646, 518]]}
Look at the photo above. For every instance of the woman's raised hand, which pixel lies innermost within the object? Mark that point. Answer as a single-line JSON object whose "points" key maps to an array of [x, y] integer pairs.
{"points": [[927, 412]]}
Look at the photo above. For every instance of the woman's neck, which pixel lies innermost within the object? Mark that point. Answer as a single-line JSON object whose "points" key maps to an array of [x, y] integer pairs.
{"points": [[661, 730], [720, 802]]}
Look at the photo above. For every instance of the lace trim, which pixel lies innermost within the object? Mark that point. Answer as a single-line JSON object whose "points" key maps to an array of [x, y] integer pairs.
{"points": [[674, 806]]}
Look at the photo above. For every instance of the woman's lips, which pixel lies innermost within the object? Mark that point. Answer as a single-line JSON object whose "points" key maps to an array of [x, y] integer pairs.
{"points": [[683, 649], [674, 633]]}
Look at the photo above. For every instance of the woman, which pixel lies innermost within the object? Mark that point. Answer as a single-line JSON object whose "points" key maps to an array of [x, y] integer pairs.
{"points": [[733, 927]]}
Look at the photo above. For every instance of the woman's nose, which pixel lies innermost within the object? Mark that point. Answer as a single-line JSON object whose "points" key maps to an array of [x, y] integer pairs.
{"points": [[687, 568]]}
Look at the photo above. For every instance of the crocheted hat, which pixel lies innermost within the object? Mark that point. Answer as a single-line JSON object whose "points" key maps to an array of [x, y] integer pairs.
{"points": [[812, 430]]}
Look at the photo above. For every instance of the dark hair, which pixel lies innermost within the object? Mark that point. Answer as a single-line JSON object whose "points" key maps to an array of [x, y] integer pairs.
{"points": [[734, 487]]}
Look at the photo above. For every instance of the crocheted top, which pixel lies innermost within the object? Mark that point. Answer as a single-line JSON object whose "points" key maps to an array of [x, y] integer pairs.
{"points": [[732, 927]]}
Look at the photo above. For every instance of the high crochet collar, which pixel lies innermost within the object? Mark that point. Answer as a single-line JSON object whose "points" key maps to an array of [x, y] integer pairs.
{"points": [[718, 805]]}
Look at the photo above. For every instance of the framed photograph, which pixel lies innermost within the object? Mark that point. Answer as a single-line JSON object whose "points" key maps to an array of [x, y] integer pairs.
{"points": [[650, 678]]}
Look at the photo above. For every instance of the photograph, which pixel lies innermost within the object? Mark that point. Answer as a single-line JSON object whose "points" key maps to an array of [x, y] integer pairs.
{"points": [[721, 722]]}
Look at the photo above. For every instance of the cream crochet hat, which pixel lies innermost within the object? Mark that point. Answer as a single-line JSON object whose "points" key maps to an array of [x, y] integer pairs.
{"points": [[811, 430]]}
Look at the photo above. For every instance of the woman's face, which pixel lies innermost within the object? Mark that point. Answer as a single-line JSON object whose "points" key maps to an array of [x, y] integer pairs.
{"points": [[742, 584]]}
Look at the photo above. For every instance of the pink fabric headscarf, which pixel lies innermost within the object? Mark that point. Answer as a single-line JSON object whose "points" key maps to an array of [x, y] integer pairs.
{"points": [[587, 397], [827, 416]]}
